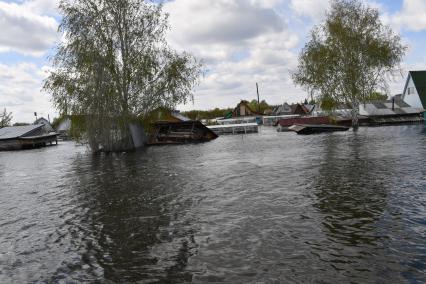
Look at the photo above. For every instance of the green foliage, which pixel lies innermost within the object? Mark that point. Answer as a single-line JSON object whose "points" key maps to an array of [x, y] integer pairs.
{"points": [[115, 65], [57, 120], [5, 118], [261, 107], [207, 114], [376, 97], [348, 56], [223, 112], [328, 103]]}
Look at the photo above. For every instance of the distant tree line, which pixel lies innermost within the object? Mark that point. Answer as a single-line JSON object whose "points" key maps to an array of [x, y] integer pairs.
{"points": [[207, 114], [223, 112]]}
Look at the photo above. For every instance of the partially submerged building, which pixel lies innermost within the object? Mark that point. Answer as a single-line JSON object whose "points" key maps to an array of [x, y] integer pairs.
{"points": [[175, 128], [414, 92], [242, 128], [393, 111], [46, 124], [26, 137], [179, 132], [284, 109]]}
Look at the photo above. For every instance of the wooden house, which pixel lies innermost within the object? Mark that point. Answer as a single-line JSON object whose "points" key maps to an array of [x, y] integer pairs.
{"points": [[284, 109], [244, 109], [301, 109], [46, 124]]}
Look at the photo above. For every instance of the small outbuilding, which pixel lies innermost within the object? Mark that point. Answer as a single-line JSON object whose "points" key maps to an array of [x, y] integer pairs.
{"points": [[179, 132], [175, 128], [26, 137]]}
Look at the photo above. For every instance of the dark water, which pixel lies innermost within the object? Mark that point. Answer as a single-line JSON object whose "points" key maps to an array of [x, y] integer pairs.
{"points": [[267, 208]]}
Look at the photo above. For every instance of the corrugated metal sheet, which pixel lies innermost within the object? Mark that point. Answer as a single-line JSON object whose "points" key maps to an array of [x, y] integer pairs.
{"points": [[17, 131], [419, 79], [385, 109]]}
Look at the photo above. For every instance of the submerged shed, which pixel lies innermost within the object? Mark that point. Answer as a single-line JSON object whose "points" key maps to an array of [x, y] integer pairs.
{"points": [[26, 137], [179, 132]]}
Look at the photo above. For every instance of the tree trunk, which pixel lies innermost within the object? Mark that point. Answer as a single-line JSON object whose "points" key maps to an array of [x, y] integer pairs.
{"points": [[355, 114]]}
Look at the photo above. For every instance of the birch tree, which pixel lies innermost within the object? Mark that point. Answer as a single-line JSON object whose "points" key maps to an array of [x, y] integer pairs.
{"points": [[5, 118], [349, 56], [114, 64]]}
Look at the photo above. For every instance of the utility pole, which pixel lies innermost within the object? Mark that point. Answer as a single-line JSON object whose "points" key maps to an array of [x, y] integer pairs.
{"points": [[258, 101]]}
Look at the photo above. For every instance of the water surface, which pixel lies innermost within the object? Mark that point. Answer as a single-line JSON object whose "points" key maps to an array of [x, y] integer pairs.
{"points": [[261, 208]]}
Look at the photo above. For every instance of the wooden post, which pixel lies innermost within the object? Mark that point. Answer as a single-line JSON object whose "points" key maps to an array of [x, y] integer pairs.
{"points": [[258, 100]]}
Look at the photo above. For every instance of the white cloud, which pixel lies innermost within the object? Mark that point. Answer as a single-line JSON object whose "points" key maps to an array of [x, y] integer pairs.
{"points": [[26, 29], [412, 16], [219, 21], [241, 42], [20, 86], [312, 8], [42, 7]]}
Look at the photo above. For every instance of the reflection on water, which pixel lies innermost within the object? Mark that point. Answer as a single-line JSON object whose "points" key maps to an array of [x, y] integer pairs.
{"points": [[270, 207]]}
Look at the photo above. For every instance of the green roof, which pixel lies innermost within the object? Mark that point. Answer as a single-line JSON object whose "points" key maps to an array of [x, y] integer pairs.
{"points": [[419, 79]]}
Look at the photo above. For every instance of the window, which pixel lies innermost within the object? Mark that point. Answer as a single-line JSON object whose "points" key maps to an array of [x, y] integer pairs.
{"points": [[411, 90]]}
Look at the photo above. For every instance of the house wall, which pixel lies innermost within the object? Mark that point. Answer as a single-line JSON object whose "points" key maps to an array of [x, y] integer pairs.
{"points": [[138, 135], [412, 99], [243, 110]]}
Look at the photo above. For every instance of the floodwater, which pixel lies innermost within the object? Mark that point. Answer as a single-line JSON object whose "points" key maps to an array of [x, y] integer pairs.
{"points": [[260, 208]]}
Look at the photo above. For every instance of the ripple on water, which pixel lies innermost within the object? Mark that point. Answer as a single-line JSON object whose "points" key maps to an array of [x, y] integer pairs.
{"points": [[273, 207]]}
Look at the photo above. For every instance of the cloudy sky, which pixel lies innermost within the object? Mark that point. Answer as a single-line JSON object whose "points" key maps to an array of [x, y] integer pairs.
{"points": [[240, 41]]}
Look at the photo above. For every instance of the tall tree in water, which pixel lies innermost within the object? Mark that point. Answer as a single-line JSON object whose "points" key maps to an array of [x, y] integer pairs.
{"points": [[114, 64], [349, 56], [5, 118]]}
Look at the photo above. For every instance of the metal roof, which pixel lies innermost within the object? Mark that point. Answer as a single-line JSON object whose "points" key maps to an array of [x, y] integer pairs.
{"points": [[232, 125], [17, 131], [385, 109], [419, 79]]}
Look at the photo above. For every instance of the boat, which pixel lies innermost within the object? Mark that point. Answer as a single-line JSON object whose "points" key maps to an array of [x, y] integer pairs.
{"points": [[317, 128]]}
